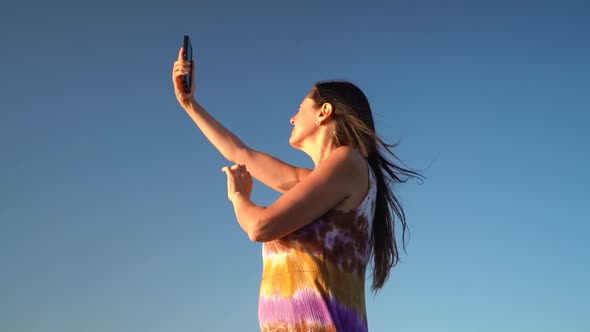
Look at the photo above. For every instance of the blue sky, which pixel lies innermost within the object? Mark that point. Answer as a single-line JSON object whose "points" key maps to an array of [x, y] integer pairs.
{"points": [[113, 210]]}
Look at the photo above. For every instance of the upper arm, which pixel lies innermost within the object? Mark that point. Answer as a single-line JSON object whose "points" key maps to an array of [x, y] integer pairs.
{"points": [[322, 190], [274, 173]]}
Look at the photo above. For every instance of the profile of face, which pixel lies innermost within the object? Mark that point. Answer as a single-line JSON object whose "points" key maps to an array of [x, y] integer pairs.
{"points": [[304, 123]]}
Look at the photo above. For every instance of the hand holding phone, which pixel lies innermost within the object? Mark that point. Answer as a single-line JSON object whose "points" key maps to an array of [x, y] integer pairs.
{"points": [[187, 80]]}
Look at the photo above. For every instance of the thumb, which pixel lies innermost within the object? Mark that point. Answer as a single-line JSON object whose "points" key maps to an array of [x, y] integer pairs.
{"points": [[181, 53], [226, 170]]}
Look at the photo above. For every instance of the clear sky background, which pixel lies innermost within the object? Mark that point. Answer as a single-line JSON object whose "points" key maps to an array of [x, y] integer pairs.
{"points": [[113, 209]]}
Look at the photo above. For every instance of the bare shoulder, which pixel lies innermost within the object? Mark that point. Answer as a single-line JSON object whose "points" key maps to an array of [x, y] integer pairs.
{"points": [[344, 165], [349, 158], [349, 165], [354, 174]]}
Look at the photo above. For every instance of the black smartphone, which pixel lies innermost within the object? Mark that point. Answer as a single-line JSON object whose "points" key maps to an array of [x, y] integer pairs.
{"points": [[187, 80]]}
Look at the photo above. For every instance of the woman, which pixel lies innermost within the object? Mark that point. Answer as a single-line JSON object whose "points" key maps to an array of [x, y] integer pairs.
{"points": [[318, 237]]}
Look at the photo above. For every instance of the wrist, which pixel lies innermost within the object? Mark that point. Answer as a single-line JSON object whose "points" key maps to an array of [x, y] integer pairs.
{"points": [[239, 199], [190, 104]]}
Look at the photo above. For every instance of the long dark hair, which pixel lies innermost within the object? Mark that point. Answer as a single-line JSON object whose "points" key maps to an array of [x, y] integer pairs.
{"points": [[354, 127]]}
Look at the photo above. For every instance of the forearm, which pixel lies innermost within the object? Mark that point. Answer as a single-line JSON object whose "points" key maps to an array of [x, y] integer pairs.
{"points": [[249, 216], [228, 144]]}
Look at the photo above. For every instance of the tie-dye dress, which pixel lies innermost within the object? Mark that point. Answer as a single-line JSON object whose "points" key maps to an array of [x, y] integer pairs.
{"points": [[313, 279]]}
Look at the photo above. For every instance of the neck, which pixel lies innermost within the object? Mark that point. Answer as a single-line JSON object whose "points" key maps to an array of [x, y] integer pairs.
{"points": [[321, 145]]}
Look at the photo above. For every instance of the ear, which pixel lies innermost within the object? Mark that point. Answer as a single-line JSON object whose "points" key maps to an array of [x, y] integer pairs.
{"points": [[326, 112]]}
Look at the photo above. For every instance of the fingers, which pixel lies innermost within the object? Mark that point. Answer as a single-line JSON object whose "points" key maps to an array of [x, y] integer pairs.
{"points": [[182, 67], [239, 181], [235, 169], [230, 170], [241, 169], [181, 56], [238, 167]]}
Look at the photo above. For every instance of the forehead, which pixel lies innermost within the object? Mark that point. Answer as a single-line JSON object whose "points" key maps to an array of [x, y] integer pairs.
{"points": [[307, 101]]}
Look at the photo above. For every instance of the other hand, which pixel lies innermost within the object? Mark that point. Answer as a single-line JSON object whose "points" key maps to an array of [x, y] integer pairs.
{"points": [[239, 182]]}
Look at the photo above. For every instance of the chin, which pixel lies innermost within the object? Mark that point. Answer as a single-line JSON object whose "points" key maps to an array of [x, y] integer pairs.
{"points": [[294, 143]]}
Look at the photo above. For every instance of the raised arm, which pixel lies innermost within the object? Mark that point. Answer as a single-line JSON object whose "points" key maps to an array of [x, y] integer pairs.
{"points": [[269, 170]]}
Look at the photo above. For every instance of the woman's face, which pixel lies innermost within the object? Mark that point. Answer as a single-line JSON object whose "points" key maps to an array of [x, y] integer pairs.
{"points": [[304, 122]]}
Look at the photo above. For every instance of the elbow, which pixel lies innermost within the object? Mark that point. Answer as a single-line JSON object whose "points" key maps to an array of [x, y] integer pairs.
{"points": [[259, 233], [256, 237]]}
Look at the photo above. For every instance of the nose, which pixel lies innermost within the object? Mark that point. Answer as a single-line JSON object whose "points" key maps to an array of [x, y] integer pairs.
{"points": [[292, 120]]}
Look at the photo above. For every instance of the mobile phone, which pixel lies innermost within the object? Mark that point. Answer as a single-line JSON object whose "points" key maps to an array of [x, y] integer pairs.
{"points": [[187, 80]]}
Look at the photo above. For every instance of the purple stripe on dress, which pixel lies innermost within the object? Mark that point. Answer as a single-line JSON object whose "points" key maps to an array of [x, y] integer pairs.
{"points": [[308, 306], [345, 319], [305, 305]]}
